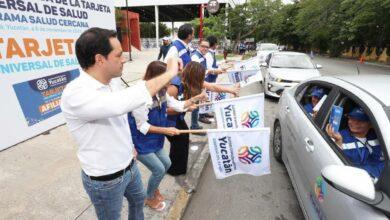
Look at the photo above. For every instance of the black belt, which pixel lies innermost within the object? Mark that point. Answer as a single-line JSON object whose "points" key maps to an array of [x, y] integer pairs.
{"points": [[113, 175]]}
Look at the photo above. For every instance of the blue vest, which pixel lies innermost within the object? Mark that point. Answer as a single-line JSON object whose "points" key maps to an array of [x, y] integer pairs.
{"points": [[176, 81], [150, 142], [184, 54], [212, 77], [309, 108], [367, 156], [201, 58]]}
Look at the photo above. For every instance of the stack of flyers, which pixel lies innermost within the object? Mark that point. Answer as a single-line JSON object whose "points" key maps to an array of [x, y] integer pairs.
{"points": [[335, 117]]}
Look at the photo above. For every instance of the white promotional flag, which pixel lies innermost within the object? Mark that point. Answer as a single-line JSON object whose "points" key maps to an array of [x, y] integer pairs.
{"points": [[214, 96], [236, 76], [251, 63], [242, 112], [252, 79], [239, 151]]}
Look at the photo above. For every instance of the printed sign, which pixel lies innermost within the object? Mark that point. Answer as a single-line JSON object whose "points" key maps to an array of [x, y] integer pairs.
{"points": [[40, 98], [236, 76], [37, 59], [214, 96], [242, 112], [239, 152]]}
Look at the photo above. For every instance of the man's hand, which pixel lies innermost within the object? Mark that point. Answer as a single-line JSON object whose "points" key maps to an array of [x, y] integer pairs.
{"points": [[201, 97], [218, 71], [192, 108], [235, 90], [171, 131], [338, 139]]}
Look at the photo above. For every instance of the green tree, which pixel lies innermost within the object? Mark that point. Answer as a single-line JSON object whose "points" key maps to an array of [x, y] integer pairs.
{"points": [[148, 30]]}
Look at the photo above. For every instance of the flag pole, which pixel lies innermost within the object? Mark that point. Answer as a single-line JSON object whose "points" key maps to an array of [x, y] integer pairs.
{"points": [[204, 104], [193, 131]]}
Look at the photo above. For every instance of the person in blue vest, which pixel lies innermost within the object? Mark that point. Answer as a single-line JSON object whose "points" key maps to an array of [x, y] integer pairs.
{"points": [[316, 96], [148, 127], [213, 69], [199, 56], [191, 84], [360, 143], [179, 47]]}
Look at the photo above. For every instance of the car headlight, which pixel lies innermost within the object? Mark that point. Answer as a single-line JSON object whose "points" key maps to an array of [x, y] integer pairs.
{"points": [[273, 78]]}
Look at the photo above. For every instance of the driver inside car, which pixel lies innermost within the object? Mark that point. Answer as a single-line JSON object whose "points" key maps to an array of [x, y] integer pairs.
{"points": [[359, 142]]}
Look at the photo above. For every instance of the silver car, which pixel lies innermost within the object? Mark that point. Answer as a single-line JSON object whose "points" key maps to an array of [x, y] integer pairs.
{"points": [[286, 69], [326, 183]]}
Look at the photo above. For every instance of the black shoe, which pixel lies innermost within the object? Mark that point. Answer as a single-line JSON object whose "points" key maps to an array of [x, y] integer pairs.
{"points": [[209, 115], [204, 120], [197, 128]]}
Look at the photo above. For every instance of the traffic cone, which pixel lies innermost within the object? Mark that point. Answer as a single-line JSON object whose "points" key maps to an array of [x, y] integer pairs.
{"points": [[362, 59]]}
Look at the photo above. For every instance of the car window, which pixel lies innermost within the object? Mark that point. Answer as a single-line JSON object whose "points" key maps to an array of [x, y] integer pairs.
{"points": [[352, 129], [268, 47], [312, 98], [291, 61]]}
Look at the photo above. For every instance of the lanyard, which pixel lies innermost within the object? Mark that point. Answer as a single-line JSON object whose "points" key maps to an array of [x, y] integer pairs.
{"points": [[362, 152]]}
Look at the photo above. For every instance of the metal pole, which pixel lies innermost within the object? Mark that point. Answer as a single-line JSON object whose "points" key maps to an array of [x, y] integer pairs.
{"points": [[128, 30], [157, 22], [173, 31], [201, 22]]}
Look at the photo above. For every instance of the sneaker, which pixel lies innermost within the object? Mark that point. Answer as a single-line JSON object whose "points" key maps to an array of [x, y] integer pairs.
{"points": [[155, 204], [204, 120]]}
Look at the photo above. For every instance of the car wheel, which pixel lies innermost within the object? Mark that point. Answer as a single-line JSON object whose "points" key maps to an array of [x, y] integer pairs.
{"points": [[277, 142]]}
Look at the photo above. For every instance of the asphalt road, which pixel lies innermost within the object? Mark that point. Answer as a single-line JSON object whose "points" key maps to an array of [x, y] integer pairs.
{"points": [[267, 197]]}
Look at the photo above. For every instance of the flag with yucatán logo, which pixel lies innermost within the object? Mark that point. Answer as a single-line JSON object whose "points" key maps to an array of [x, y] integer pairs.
{"points": [[239, 151], [236, 76], [214, 96], [241, 112]]}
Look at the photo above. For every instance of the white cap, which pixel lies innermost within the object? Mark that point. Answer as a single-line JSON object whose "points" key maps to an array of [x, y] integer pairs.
{"points": [[165, 38]]}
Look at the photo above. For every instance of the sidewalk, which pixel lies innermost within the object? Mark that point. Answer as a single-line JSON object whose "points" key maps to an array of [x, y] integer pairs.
{"points": [[40, 178]]}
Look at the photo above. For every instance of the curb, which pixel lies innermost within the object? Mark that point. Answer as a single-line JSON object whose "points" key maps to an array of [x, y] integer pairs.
{"points": [[184, 196], [357, 61]]}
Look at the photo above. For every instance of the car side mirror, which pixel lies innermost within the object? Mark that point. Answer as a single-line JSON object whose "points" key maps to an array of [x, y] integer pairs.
{"points": [[318, 66], [264, 64], [352, 181]]}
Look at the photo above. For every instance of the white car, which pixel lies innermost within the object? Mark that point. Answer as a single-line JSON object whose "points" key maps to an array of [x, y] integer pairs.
{"points": [[329, 183], [264, 49], [286, 69]]}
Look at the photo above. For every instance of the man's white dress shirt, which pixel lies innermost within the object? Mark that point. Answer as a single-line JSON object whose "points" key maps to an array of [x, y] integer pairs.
{"points": [[96, 115]]}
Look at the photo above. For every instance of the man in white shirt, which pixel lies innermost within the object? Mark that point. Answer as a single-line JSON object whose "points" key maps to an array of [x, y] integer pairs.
{"points": [[94, 106], [180, 47]]}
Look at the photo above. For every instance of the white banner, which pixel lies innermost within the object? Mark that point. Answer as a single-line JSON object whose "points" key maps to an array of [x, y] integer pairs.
{"points": [[242, 112], [252, 63], [236, 76], [214, 96], [252, 79], [240, 152], [37, 60]]}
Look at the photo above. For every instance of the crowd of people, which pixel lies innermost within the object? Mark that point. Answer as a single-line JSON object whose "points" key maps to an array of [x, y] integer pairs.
{"points": [[115, 126]]}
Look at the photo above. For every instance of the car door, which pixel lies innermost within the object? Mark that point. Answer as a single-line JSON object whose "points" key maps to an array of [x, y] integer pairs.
{"points": [[316, 150], [295, 165]]}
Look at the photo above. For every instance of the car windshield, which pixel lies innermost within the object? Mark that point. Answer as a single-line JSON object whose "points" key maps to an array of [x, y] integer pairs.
{"points": [[268, 47], [291, 61]]}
